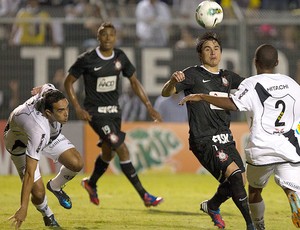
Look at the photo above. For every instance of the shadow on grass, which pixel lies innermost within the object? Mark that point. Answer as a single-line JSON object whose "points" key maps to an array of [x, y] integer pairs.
{"points": [[157, 212]]}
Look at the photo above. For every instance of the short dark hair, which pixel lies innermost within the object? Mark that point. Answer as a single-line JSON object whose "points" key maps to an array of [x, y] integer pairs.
{"points": [[51, 97], [266, 56], [208, 36], [106, 25]]}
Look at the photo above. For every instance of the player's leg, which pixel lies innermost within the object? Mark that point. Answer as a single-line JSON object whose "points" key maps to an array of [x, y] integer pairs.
{"points": [[100, 167], [132, 176], [38, 197], [39, 200], [285, 178], [239, 195], [101, 163], [257, 207], [64, 152], [203, 152], [258, 178]]}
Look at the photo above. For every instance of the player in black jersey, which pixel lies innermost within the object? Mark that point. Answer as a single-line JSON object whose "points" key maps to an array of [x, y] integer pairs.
{"points": [[101, 69], [210, 137]]}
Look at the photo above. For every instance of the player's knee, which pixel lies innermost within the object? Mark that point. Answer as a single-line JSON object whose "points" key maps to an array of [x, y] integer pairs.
{"points": [[237, 185], [78, 165], [236, 178]]}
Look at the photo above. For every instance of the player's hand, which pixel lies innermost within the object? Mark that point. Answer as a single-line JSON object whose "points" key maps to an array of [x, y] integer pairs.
{"points": [[191, 97], [155, 115], [36, 90], [18, 218], [177, 76], [83, 115]]}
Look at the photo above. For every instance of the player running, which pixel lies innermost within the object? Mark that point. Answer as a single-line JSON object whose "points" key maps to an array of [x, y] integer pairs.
{"points": [[272, 101], [210, 138], [101, 69]]}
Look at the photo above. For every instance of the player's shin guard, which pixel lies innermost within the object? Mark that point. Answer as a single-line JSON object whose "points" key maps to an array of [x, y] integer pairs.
{"points": [[239, 195], [132, 176]]}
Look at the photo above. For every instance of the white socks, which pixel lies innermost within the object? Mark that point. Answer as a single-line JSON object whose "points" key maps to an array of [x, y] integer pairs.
{"points": [[257, 214], [43, 208], [61, 178]]}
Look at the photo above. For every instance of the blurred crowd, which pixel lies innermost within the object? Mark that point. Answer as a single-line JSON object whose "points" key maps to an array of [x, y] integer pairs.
{"points": [[153, 27], [141, 23]]}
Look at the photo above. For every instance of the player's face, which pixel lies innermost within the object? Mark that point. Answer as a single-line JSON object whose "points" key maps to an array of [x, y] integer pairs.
{"points": [[60, 111], [210, 54], [107, 39]]}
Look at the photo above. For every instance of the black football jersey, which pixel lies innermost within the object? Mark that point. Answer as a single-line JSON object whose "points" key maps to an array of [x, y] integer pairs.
{"points": [[101, 77], [206, 120]]}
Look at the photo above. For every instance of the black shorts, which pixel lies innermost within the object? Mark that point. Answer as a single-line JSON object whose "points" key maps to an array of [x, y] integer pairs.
{"points": [[217, 157], [108, 129]]}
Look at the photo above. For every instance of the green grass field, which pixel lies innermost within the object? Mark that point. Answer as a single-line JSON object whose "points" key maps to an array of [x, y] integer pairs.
{"points": [[121, 207]]}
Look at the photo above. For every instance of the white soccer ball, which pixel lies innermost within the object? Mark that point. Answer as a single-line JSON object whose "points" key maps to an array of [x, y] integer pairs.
{"points": [[209, 14]]}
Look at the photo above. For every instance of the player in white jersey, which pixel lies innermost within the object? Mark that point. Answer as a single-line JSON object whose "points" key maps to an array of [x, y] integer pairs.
{"points": [[272, 102], [34, 128]]}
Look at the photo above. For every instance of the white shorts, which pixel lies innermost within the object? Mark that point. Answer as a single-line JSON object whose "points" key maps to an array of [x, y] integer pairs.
{"points": [[52, 151], [286, 175]]}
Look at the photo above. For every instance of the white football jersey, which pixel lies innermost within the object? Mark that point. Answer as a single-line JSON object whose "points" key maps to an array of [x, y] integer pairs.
{"points": [[272, 102], [29, 128]]}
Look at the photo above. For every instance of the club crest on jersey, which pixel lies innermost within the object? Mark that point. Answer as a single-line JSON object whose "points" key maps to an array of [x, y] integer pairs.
{"points": [[118, 65], [225, 81], [222, 156], [113, 138]]}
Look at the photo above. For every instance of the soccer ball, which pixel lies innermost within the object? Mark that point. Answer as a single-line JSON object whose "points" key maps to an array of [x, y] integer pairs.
{"points": [[209, 14]]}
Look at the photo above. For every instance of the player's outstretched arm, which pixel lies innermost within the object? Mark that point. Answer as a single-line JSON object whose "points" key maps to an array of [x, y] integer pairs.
{"points": [[140, 92], [221, 102]]}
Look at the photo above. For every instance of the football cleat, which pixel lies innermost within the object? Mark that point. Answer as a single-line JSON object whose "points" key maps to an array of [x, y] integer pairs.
{"points": [[295, 208], [251, 227], [215, 215], [91, 191], [62, 197], [150, 200], [260, 225], [50, 221]]}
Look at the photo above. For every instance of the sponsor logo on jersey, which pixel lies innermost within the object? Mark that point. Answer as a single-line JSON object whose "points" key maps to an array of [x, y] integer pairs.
{"points": [[204, 81], [225, 81], [41, 143], [56, 141], [106, 84], [243, 94], [221, 138], [278, 131], [277, 87], [97, 68], [108, 109], [118, 65], [222, 156]]}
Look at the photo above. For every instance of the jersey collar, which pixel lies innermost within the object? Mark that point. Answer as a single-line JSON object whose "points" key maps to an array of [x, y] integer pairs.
{"points": [[102, 57], [202, 66]]}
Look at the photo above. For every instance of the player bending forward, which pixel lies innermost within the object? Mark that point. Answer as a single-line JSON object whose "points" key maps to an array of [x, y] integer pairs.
{"points": [[34, 128]]}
